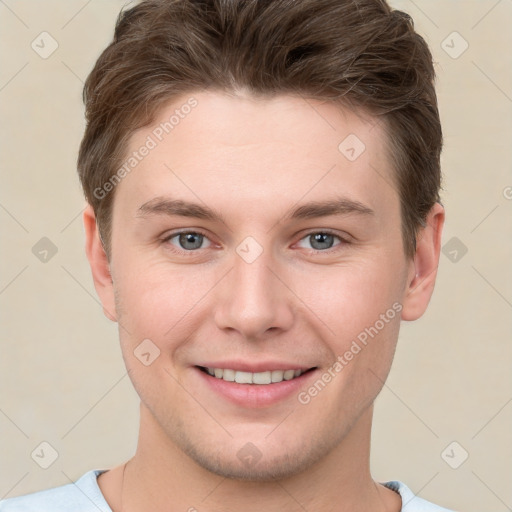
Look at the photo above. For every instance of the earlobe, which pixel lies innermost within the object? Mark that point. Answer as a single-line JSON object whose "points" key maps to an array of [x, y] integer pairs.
{"points": [[423, 272], [100, 267]]}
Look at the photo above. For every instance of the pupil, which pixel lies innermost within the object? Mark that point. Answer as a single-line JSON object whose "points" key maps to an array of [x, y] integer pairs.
{"points": [[323, 239], [195, 239]]}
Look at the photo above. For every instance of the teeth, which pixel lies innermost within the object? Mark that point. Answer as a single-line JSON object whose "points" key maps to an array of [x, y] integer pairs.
{"points": [[228, 375], [262, 378], [243, 377], [267, 377], [277, 375], [289, 374]]}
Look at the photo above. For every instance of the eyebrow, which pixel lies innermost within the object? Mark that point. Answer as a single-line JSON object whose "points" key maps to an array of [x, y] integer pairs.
{"points": [[313, 209]]}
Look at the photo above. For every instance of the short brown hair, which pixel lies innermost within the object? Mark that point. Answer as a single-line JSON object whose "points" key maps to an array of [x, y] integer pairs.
{"points": [[359, 53]]}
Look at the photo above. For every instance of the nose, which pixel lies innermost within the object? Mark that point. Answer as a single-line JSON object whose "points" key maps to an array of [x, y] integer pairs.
{"points": [[254, 299]]}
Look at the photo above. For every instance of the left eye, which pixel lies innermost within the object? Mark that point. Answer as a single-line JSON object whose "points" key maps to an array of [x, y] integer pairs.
{"points": [[188, 240], [321, 241]]}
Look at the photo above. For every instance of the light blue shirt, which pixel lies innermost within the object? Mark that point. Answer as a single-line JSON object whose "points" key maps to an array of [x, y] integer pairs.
{"points": [[85, 496]]}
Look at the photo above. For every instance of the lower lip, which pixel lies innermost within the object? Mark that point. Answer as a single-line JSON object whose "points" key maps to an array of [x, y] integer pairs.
{"points": [[255, 395]]}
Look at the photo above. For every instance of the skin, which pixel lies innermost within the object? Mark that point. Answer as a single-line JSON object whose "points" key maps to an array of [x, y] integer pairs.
{"points": [[252, 160]]}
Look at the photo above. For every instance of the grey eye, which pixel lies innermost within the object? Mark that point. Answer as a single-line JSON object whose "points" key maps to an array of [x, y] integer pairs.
{"points": [[188, 241], [321, 241]]}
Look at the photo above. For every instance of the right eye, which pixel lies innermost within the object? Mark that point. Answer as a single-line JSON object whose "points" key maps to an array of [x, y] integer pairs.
{"points": [[186, 241]]}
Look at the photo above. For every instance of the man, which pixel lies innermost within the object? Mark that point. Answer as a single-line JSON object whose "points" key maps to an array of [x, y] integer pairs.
{"points": [[263, 210]]}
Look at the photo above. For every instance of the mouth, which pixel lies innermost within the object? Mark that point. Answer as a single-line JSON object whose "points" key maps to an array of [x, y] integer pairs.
{"points": [[249, 378]]}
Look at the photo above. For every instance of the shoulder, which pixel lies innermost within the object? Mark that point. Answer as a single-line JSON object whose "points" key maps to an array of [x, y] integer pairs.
{"points": [[411, 502], [84, 495]]}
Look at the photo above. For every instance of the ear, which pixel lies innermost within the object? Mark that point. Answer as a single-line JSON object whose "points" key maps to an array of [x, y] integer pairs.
{"points": [[99, 264], [423, 270]]}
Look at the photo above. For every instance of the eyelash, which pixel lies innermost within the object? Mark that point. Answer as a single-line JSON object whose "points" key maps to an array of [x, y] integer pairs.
{"points": [[193, 252]]}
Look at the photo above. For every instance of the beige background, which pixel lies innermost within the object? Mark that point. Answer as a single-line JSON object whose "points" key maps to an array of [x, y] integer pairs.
{"points": [[62, 377]]}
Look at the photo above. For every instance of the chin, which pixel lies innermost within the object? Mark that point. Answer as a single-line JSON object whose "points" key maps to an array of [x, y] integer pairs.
{"points": [[255, 462]]}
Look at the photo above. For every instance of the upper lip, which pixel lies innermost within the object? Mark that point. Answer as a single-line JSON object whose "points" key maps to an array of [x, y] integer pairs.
{"points": [[255, 367]]}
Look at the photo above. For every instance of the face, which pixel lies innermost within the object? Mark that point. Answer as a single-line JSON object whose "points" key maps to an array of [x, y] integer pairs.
{"points": [[258, 235]]}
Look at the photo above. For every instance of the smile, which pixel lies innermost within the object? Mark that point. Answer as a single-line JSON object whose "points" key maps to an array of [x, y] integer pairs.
{"points": [[241, 377]]}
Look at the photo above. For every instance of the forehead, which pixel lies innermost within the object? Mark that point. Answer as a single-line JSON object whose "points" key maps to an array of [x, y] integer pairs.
{"points": [[214, 147]]}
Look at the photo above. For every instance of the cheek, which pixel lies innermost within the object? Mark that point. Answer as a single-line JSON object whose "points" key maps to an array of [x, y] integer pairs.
{"points": [[359, 309], [351, 297], [160, 302], [154, 320], [148, 287]]}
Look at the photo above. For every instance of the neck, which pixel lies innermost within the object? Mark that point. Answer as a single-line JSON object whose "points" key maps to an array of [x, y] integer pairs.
{"points": [[161, 477]]}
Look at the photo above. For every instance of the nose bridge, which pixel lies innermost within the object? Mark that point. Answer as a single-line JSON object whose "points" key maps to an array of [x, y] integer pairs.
{"points": [[254, 299]]}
